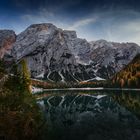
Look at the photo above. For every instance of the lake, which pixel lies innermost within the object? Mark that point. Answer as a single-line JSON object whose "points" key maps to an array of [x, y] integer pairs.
{"points": [[91, 115]]}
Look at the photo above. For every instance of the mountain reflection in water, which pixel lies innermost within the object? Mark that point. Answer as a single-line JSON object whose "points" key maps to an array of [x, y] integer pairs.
{"points": [[91, 115]]}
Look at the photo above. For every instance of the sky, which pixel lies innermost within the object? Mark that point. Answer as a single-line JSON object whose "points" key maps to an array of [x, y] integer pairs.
{"points": [[112, 20]]}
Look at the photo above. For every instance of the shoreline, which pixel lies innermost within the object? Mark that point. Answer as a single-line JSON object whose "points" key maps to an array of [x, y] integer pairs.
{"points": [[86, 89], [100, 88]]}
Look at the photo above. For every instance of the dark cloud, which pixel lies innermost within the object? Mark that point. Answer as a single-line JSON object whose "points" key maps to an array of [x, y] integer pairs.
{"points": [[78, 3], [70, 6]]}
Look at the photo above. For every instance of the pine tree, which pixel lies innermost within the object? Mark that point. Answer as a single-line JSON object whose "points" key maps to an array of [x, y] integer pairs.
{"points": [[25, 76], [20, 116]]}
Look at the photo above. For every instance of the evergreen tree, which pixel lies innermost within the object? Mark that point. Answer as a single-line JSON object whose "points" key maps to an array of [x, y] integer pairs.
{"points": [[20, 116], [25, 76]]}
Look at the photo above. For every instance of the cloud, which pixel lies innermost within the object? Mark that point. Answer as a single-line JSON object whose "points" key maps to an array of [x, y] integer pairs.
{"points": [[128, 31], [82, 22], [43, 16], [132, 26], [111, 26], [121, 25]]}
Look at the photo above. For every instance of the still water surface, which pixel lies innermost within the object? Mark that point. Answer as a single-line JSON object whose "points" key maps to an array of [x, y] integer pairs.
{"points": [[91, 115]]}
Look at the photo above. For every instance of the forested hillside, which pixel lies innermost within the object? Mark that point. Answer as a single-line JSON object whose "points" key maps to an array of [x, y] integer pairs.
{"points": [[129, 76], [20, 116]]}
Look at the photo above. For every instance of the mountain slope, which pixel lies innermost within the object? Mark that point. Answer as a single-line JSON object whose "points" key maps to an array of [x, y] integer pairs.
{"points": [[129, 76], [7, 38], [50, 54], [57, 55], [108, 58]]}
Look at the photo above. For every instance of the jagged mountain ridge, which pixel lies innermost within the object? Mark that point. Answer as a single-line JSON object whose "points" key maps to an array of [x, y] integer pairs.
{"points": [[58, 55], [110, 57]]}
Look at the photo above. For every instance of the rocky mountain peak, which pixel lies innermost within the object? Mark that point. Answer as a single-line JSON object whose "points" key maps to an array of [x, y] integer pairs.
{"points": [[70, 34], [33, 38], [101, 44], [7, 38], [40, 27], [111, 57], [51, 53]]}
